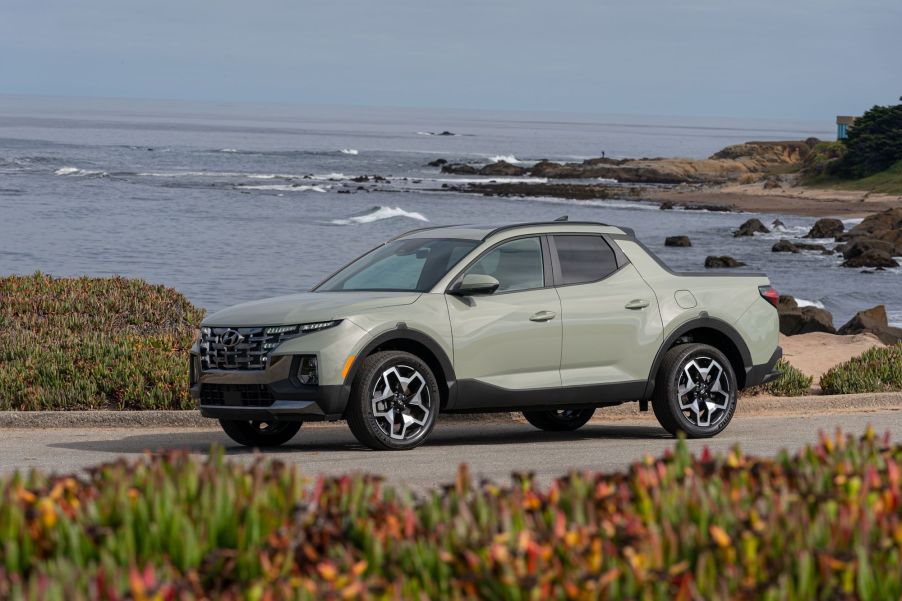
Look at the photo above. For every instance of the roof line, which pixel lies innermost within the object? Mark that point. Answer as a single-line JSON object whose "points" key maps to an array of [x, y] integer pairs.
{"points": [[628, 231]]}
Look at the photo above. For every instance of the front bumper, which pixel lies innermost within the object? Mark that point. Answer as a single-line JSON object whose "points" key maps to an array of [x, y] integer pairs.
{"points": [[271, 394], [764, 373]]}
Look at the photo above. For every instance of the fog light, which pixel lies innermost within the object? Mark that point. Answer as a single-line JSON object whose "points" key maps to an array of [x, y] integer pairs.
{"points": [[307, 371]]}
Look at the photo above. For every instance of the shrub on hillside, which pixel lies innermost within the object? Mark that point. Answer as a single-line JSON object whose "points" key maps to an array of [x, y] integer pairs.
{"points": [[874, 143], [822, 524], [878, 369], [93, 343], [823, 158]]}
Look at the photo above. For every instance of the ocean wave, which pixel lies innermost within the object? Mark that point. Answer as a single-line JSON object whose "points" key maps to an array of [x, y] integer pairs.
{"points": [[229, 150], [801, 302], [76, 172], [436, 133], [489, 180], [641, 205], [351, 151], [894, 318], [507, 158], [377, 214], [607, 180], [330, 177], [286, 188]]}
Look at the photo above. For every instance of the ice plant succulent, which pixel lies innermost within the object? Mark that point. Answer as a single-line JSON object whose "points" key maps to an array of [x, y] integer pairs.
{"points": [[823, 523]]}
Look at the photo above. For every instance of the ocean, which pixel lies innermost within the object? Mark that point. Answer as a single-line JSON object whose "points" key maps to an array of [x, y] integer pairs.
{"points": [[229, 203]]}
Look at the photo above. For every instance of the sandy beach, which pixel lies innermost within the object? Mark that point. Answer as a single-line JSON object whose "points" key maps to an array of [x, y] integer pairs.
{"points": [[797, 200]]}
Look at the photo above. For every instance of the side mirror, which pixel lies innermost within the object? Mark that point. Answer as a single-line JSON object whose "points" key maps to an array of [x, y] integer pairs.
{"points": [[475, 283]]}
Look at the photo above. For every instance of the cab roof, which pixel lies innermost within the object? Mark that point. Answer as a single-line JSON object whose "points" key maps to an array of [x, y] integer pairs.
{"points": [[484, 232]]}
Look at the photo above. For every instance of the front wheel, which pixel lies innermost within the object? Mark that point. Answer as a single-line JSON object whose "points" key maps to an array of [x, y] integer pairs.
{"points": [[561, 420], [695, 391], [260, 434], [394, 401]]}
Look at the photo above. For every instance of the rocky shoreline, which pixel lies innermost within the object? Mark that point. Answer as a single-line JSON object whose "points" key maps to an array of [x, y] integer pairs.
{"points": [[750, 177]]}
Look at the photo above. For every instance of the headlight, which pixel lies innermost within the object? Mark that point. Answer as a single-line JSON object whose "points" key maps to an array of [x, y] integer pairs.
{"points": [[304, 328]]}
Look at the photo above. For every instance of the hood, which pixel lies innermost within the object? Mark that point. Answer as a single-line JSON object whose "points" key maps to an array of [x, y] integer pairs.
{"points": [[307, 307]]}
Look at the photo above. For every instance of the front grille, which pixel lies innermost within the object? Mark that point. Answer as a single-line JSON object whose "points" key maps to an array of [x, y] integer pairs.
{"points": [[251, 351], [240, 395]]}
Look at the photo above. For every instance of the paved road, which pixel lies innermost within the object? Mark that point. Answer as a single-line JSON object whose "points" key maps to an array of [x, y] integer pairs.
{"points": [[492, 449]]}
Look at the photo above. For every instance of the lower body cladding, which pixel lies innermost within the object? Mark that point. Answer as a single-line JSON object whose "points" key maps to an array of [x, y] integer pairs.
{"points": [[277, 394], [272, 394]]}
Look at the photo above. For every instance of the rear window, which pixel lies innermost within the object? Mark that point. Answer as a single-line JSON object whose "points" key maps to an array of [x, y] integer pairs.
{"points": [[584, 258]]}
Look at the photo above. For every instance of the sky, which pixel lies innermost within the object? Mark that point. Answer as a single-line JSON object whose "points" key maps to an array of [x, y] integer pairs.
{"points": [[793, 59]]}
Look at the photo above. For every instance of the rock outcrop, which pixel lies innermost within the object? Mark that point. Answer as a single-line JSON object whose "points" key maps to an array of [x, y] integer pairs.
{"points": [[874, 321], [826, 228], [681, 241], [871, 258], [885, 226], [750, 227], [722, 262], [796, 320], [743, 162], [502, 168], [785, 246]]}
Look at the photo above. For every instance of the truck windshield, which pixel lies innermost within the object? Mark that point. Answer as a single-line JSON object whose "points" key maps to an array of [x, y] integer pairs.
{"points": [[412, 265]]}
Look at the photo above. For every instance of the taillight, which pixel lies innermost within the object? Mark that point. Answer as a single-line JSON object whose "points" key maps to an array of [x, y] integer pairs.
{"points": [[770, 295]]}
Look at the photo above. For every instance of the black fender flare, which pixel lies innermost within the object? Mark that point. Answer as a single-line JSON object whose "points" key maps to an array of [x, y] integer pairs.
{"points": [[402, 332], [707, 322]]}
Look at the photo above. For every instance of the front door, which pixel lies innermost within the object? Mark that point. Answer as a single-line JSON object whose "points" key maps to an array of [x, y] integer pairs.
{"points": [[507, 345]]}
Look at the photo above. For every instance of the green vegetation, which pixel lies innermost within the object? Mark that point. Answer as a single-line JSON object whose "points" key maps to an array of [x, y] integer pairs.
{"points": [[874, 143], [86, 343], [878, 369], [884, 182], [792, 382], [870, 159], [821, 524]]}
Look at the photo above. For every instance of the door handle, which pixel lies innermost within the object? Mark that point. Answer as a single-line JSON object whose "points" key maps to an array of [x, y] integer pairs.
{"points": [[543, 316], [637, 303]]}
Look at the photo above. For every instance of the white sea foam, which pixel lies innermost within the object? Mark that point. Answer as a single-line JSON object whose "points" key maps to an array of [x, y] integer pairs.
{"points": [[352, 151], [607, 180], [894, 318], [330, 177], [76, 172], [641, 205], [286, 188], [229, 150], [801, 302], [490, 180], [378, 214], [507, 158]]}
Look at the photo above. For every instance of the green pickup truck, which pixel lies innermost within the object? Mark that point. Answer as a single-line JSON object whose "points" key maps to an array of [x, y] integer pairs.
{"points": [[552, 319]]}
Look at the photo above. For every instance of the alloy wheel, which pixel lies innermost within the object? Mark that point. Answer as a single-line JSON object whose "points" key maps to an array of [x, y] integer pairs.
{"points": [[401, 402], [703, 391]]}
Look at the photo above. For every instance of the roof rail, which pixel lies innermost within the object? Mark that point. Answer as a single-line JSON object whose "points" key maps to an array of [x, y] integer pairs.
{"points": [[628, 231], [419, 229], [563, 218]]}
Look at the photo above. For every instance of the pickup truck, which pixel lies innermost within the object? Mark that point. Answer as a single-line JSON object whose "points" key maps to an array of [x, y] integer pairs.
{"points": [[552, 319]]}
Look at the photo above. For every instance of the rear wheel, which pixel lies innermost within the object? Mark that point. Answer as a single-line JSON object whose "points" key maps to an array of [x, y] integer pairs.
{"points": [[260, 434], [695, 391], [394, 402], [561, 420]]}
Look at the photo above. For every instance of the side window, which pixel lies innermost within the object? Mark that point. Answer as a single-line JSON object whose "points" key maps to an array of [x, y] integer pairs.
{"points": [[517, 265], [584, 258]]}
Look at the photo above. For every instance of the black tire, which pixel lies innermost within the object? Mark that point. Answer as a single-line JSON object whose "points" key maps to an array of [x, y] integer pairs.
{"points": [[260, 434], [712, 409], [560, 420], [375, 423]]}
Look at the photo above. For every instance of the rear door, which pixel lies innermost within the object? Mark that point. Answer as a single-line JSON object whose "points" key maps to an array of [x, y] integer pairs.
{"points": [[611, 323], [507, 345]]}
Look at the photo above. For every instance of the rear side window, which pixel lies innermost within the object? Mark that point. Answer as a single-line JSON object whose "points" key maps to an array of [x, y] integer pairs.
{"points": [[584, 258]]}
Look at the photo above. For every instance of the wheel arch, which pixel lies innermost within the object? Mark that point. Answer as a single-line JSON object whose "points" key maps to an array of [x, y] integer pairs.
{"points": [[416, 343], [713, 332]]}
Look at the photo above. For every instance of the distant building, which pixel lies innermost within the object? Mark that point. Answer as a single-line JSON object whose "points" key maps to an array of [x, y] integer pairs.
{"points": [[842, 126]]}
